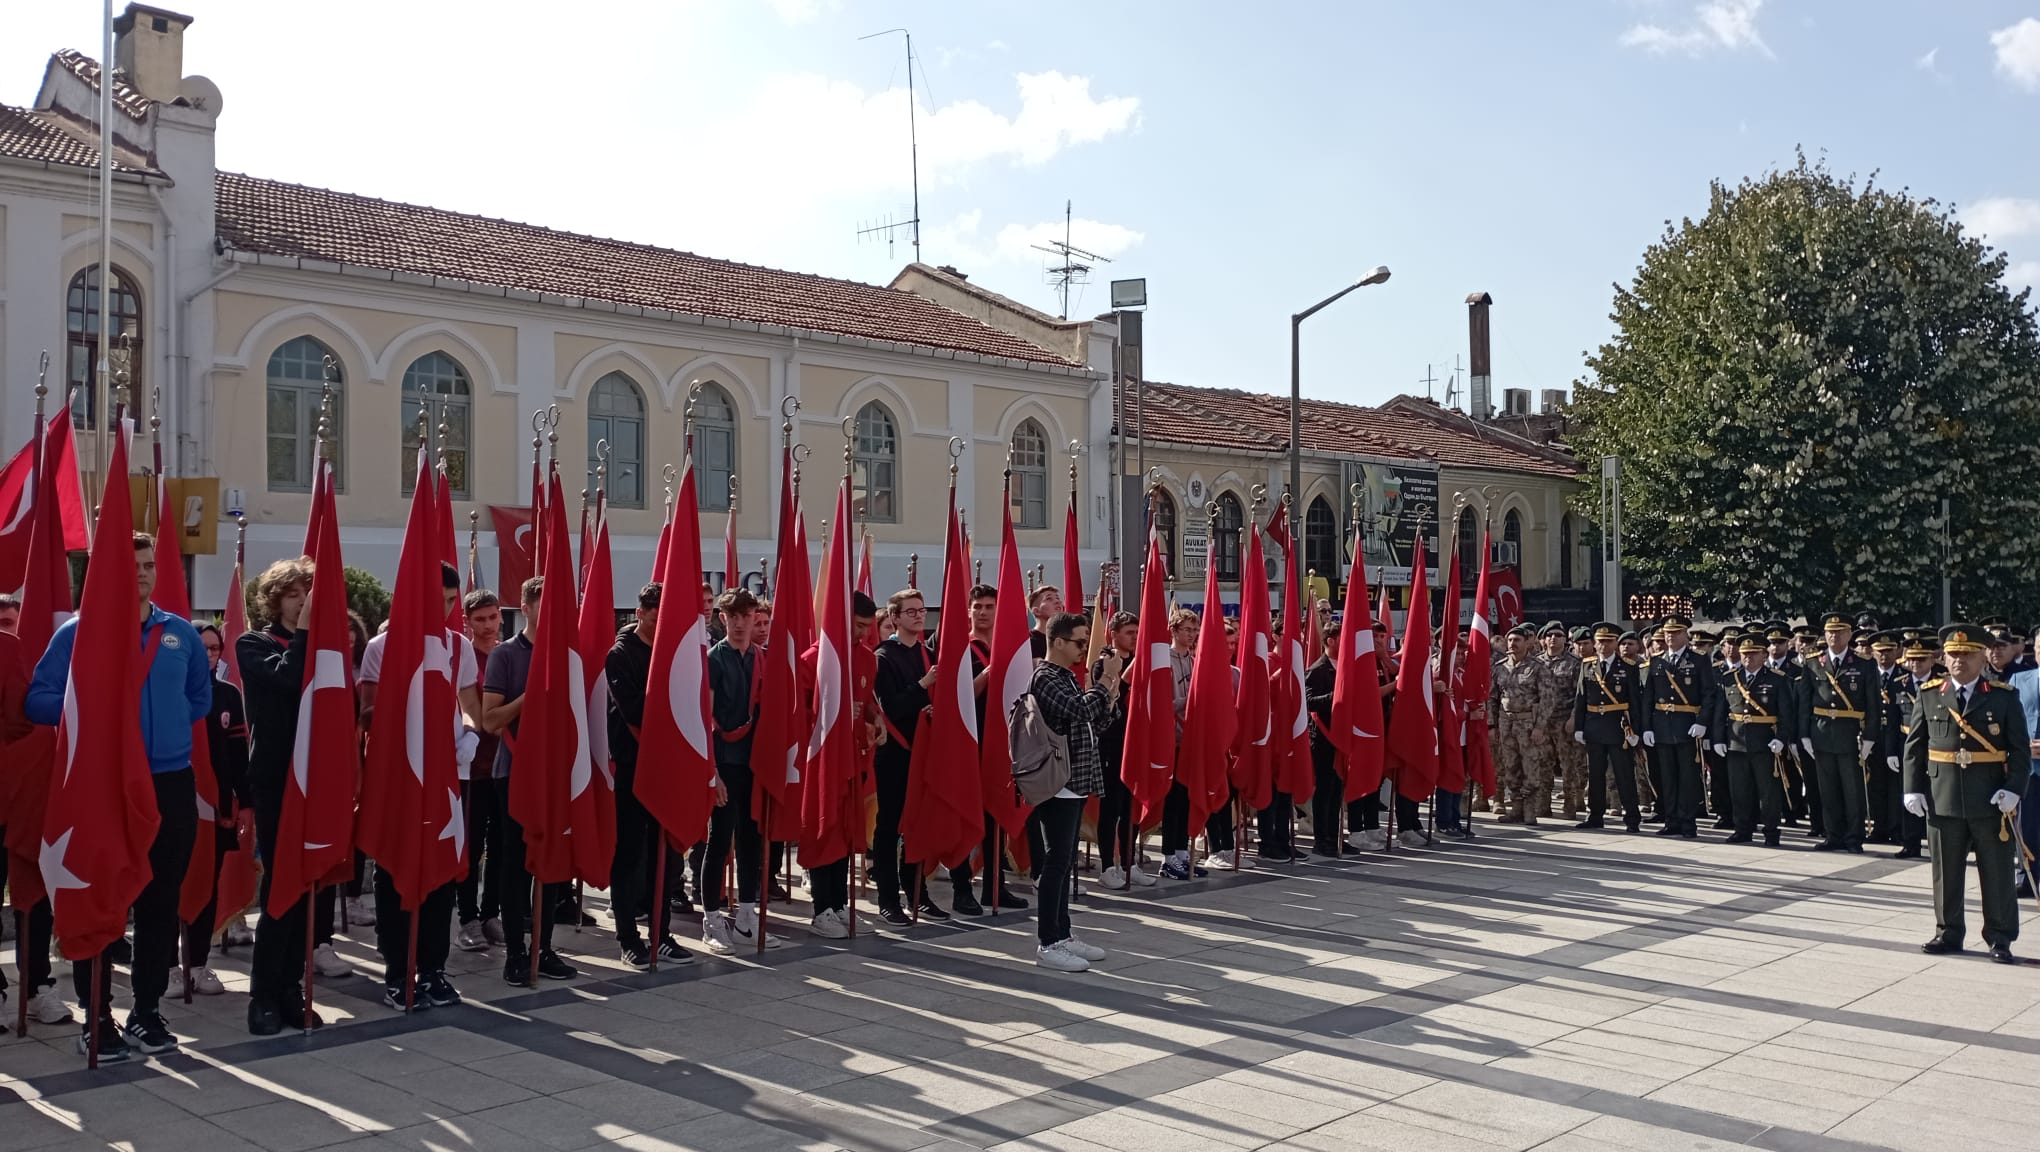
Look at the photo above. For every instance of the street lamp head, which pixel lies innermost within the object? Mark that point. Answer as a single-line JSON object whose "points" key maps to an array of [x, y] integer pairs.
{"points": [[1376, 276]]}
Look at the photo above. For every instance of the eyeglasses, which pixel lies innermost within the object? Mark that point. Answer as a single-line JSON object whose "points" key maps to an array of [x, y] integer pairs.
{"points": [[911, 612]]}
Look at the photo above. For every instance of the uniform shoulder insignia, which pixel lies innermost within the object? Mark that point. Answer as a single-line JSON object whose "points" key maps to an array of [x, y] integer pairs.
{"points": [[1634, 663], [1934, 683]]}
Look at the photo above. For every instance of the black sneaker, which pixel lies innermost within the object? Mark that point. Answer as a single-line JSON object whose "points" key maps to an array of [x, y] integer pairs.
{"points": [[294, 1013], [263, 1018], [517, 970], [671, 951], [966, 904], [1009, 902], [147, 1031], [933, 911], [438, 990], [121, 951], [393, 997], [679, 905], [635, 954], [552, 967], [895, 916], [113, 1046]]}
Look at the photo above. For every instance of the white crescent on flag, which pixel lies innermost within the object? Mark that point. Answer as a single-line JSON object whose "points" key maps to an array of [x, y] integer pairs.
{"points": [[1507, 605], [517, 538], [435, 663], [456, 825], [683, 688], [579, 776], [1301, 721], [56, 875], [1019, 673], [328, 671], [966, 704], [1261, 658], [828, 692], [21, 510]]}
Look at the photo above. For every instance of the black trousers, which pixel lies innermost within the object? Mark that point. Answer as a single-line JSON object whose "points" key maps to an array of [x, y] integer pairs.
{"points": [[1887, 801], [733, 821], [1115, 822], [1756, 794], [1327, 793], [1840, 778], [199, 933], [995, 865], [829, 885], [1720, 801], [887, 872], [517, 885], [1678, 773], [1220, 828], [156, 925], [1603, 759], [633, 871], [480, 892], [1176, 820], [1365, 813], [1061, 818], [1272, 825], [393, 931], [33, 930]]}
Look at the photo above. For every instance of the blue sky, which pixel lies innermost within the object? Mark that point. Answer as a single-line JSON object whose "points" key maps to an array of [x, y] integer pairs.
{"points": [[1246, 160]]}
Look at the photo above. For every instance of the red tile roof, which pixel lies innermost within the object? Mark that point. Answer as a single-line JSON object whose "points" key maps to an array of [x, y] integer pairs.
{"points": [[49, 137], [273, 218], [1401, 429], [126, 97]]}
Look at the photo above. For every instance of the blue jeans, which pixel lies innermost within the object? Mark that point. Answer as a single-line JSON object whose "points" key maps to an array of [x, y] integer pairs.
{"points": [[1447, 806]]}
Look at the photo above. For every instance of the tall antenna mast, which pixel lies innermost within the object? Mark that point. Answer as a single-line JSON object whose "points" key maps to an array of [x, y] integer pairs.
{"points": [[914, 151], [1069, 271]]}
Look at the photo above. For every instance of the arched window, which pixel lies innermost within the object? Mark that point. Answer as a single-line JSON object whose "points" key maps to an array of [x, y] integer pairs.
{"points": [[1226, 536], [436, 384], [1565, 550], [715, 447], [616, 413], [1165, 529], [1469, 541], [874, 466], [81, 340], [1321, 540], [1512, 536], [1030, 476], [297, 377]]}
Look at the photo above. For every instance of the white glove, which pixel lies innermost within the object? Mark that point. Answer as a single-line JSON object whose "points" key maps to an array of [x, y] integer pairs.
{"points": [[1630, 739], [1650, 739], [1579, 737], [464, 748], [1916, 803], [1721, 749], [1863, 749], [1777, 746], [2005, 801], [1806, 742], [1891, 762], [1697, 731]]}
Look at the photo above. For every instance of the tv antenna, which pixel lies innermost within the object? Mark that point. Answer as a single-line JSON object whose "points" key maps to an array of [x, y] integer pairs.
{"points": [[1428, 380], [890, 228], [1075, 266]]}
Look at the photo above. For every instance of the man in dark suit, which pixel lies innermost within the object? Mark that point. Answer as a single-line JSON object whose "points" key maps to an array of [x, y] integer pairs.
{"points": [[1607, 712], [1839, 721], [1678, 694]]}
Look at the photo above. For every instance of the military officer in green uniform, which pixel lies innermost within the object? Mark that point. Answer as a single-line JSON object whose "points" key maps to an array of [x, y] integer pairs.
{"points": [[1966, 763], [1607, 713], [1753, 724], [1838, 727], [1922, 655], [1678, 694], [1799, 792]]}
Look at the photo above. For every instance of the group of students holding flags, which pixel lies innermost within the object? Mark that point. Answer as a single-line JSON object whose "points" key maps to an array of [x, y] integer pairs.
{"points": [[112, 809]]}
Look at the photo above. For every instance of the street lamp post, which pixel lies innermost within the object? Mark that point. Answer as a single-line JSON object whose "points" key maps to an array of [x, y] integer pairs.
{"points": [[1375, 276]]}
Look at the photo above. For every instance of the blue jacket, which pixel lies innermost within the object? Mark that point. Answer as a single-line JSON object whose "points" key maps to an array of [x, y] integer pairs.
{"points": [[2027, 685], [177, 694]]}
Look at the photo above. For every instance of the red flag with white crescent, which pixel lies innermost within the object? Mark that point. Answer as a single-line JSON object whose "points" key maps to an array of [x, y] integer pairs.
{"points": [[1479, 678], [1209, 718], [592, 797], [1412, 747], [1356, 722], [1147, 761], [946, 801], [676, 764], [1010, 672], [552, 742], [1451, 726], [1294, 774], [779, 737], [515, 529], [830, 800], [1253, 767], [173, 596]]}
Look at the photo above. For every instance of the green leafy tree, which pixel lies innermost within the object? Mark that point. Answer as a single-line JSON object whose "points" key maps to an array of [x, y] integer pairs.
{"points": [[1797, 380], [367, 598]]}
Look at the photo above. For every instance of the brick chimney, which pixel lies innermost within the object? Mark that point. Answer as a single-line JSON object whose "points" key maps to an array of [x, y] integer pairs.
{"points": [[1480, 392], [148, 45]]}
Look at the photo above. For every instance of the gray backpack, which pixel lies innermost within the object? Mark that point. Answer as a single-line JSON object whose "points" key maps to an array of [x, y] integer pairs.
{"points": [[1041, 758]]}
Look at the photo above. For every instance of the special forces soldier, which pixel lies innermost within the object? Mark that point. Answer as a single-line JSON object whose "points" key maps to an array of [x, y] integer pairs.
{"points": [[1607, 712], [1569, 760], [1967, 752], [1517, 703], [1839, 720], [1753, 724], [1679, 691]]}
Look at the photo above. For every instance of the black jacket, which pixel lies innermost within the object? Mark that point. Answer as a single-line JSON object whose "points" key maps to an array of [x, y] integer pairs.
{"points": [[629, 665], [273, 673], [900, 695], [226, 736], [730, 675]]}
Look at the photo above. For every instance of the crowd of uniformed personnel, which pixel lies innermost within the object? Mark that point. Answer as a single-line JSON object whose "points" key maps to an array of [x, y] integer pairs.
{"points": [[1864, 734]]}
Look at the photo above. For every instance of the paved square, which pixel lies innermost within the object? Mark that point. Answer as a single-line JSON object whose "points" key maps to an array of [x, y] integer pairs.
{"points": [[1566, 991]]}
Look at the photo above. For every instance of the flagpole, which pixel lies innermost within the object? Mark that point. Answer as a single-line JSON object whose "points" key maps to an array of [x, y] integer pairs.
{"points": [[474, 549], [538, 908], [35, 472], [1395, 776], [849, 427], [659, 853]]}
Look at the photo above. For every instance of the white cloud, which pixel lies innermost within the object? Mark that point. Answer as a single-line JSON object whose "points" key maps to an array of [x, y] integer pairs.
{"points": [[802, 11], [2018, 53], [2025, 274], [1730, 25], [2001, 218], [1926, 62]]}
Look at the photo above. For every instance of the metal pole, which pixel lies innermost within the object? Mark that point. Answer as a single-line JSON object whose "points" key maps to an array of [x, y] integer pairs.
{"points": [[1947, 557], [1611, 538], [1296, 405], [101, 382]]}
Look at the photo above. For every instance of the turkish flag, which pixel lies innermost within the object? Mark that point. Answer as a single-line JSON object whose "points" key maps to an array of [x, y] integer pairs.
{"points": [[1010, 672], [101, 813], [1412, 748], [945, 804], [552, 741], [1451, 729], [779, 737], [18, 497], [1386, 616], [1479, 679], [514, 532], [731, 573], [1147, 759], [173, 596], [1291, 767], [832, 809], [1508, 599], [1209, 721], [237, 879], [593, 797], [1254, 749], [676, 765], [1073, 567], [417, 839], [235, 622], [1355, 728], [315, 835]]}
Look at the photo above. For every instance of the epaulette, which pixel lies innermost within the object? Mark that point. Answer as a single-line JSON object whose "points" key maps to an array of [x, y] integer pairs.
{"points": [[1634, 663], [1934, 683]]}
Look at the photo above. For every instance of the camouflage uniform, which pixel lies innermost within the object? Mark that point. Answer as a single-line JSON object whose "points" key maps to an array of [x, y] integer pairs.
{"points": [[1517, 705], [1562, 675]]}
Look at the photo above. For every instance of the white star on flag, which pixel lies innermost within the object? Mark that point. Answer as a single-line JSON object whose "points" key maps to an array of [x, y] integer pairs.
{"points": [[57, 877]]}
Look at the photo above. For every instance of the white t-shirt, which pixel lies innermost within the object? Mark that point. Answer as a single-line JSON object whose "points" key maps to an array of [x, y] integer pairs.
{"points": [[468, 668]]}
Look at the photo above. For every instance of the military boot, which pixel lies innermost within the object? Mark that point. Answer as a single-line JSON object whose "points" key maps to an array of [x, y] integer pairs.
{"points": [[1535, 807]]}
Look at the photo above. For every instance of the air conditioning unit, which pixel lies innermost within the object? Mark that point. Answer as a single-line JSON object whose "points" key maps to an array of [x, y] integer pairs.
{"points": [[1552, 401], [1507, 554], [1515, 401]]}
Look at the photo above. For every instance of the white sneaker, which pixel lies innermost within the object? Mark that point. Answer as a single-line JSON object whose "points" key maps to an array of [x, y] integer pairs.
{"points": [[1412, 839], [327, 962], [1060, 959], [715, 933], [745, 930], [49, 1008], [1114, 878], [237, 932], [472, 938], [1227, 861], [1371, 840], [1139, 878], [1090, 952], [1245, 861], [828, 924]]}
